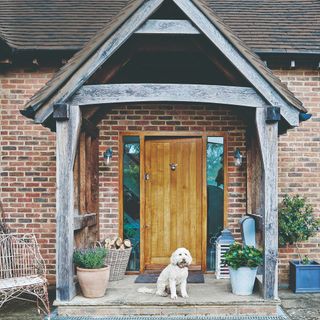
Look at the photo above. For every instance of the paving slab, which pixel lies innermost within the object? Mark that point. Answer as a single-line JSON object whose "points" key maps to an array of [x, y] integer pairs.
{"points": [[125, 292], [300, 306]]}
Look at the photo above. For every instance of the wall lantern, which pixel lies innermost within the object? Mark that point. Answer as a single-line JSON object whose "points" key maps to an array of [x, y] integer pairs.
{"points": [[238, 158], [107, 155]]}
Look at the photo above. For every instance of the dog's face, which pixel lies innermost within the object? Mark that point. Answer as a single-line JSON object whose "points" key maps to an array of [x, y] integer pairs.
{"points": [[181, 257]]}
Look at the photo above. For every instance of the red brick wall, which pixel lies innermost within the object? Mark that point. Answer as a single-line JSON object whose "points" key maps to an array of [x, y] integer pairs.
{"points": [[27, 163], [169, 118], [299, 158]]}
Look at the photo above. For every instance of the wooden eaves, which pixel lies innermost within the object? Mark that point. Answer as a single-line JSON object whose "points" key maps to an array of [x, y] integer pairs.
{"points": [[133, 19]]}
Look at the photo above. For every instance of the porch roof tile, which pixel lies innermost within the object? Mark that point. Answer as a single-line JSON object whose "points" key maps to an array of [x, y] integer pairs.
{"points": [[266, 26]]}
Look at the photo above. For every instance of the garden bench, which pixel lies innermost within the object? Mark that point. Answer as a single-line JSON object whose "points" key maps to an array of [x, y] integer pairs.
{"points": [[22, 270]]}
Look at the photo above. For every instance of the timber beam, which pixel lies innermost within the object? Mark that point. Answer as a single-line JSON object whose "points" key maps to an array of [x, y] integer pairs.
{"points": [[267, 134], [61, 111], [67, 137], [84, 220], [90, 128], [273, 114], [190, 93], [154, 26]]}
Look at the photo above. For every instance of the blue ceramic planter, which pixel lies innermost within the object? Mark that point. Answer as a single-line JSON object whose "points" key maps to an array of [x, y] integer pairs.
{"points": [[304, 277]]}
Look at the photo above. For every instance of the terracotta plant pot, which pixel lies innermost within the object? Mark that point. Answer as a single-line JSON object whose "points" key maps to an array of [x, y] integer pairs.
{"points": [[93, 282]]}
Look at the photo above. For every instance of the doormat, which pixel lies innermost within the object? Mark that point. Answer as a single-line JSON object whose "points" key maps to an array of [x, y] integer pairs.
{"points": [[193, 277]]}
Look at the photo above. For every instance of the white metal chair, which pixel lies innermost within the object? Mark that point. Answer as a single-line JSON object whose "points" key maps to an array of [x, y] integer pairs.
{"points": [[22, 270]]}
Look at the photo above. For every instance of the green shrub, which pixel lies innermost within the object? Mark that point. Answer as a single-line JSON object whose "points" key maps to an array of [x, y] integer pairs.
{"points": [[296, 220], [92, 258], [243, 256]]}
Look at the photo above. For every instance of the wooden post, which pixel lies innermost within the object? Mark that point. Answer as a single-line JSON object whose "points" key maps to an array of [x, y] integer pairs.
{"points": [[268, 140], [67, 141]]}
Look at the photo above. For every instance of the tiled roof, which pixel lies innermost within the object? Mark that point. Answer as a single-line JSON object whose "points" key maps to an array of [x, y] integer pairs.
{"points": [[54, 24], [264, 25], [273, 25]]}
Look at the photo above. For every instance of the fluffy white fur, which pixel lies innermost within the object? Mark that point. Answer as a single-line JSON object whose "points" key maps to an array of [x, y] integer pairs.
{"points": [[173, 276]]}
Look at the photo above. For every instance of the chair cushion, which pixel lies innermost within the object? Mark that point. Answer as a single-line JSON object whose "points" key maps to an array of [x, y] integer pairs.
{"points": [[21, 282]]}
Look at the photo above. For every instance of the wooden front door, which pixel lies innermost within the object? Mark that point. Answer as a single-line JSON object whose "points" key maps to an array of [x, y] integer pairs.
{"points": [[173, 203]]}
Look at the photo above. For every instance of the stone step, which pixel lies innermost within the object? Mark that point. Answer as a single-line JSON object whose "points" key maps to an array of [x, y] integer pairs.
{"points": [[214, 297], [262, 309]]}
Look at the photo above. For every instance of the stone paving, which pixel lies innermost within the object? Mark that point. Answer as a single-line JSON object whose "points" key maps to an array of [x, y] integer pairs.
{"points": [[304, 306]]}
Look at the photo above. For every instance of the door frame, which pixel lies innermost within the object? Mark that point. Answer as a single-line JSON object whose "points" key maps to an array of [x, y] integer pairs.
{"points": [[142, 137]]}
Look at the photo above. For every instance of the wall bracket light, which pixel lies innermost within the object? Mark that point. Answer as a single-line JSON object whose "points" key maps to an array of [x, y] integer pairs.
{"points": [[238, 157], [107, 156]]}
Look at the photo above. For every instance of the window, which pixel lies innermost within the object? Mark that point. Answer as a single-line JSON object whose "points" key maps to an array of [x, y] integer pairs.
{"points": [[131, 198], [215, 195]]}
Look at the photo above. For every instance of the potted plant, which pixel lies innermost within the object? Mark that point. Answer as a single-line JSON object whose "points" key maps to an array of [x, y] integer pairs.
{"points": [[93, 274], [297, 223], [243, 262]]}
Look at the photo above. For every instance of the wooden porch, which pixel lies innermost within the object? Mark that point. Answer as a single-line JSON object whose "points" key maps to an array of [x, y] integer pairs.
{"points": [[109, 72], [213, 297]]}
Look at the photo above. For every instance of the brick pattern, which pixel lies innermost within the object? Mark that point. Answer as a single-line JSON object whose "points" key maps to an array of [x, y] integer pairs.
{"points": [[27, 164], [169, 119], [299, 158]]}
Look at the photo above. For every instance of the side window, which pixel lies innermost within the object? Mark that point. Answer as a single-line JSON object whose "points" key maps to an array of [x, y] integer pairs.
{"points": [[215, 195]]}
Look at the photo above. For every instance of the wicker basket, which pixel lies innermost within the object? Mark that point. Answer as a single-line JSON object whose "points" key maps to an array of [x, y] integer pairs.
{"points": [[118, 260]]}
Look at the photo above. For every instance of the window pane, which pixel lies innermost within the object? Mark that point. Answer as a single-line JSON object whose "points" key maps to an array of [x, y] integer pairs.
{"points": [[215, 190], [131, 198]]}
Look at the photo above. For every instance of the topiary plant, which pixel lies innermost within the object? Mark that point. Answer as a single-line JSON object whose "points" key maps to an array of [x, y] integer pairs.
{"points": [[92, 258], [243, 256], [296, 221]]}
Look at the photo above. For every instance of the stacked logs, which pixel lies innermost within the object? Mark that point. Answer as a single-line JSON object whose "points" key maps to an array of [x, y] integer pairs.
{"points": [[116, 243]]}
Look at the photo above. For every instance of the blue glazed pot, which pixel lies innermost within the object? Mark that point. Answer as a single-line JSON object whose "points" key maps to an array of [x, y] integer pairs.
{"points": [[304, 277]]}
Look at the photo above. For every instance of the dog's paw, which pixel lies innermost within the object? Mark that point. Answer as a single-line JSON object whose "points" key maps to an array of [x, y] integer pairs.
{"points": [[185, 295], [174, 296], [161, 293]]}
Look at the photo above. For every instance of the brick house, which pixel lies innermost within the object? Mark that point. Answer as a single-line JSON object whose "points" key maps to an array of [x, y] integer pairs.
{"points": [[38, 38]]}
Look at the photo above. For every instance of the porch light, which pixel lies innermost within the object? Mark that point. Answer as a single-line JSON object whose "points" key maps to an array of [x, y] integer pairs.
{"points": [[238, 158], [107, 155]]}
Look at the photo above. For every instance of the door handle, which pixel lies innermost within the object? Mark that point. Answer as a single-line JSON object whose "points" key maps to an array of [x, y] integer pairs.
{"points": [[173, 166]]}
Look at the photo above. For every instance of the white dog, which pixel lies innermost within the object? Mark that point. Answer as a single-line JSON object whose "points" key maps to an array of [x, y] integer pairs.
{"points": [[175, 274]]}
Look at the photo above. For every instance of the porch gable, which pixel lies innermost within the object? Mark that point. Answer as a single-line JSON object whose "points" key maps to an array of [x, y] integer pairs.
{"points": [[135, 18]]}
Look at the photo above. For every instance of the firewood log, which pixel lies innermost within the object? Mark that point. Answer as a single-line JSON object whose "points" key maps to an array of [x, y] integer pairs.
{"points": [[107, 243], [118, 243], [127, 243]]}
